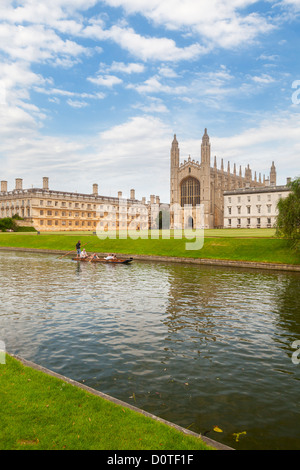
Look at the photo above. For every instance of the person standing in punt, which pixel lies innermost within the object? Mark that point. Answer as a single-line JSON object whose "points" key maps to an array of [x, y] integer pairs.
{"points": [[78, 248]]}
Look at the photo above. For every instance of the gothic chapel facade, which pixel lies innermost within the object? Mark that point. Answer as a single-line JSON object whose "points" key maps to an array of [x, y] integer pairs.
{"points": [[193, 183]]}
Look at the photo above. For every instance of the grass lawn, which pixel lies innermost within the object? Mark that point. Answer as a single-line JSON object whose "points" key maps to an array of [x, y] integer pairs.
{"points": [[41, 412], [240, 245]]}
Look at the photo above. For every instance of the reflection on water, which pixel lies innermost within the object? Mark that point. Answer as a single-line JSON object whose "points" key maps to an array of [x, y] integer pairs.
{"points": [[199, 346]]}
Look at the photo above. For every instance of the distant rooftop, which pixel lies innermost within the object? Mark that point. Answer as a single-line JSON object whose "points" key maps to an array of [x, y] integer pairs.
{"points": [[262, 189]]}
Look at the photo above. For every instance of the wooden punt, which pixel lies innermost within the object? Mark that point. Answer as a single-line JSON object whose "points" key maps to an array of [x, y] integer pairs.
{"points": [[102, 260]]}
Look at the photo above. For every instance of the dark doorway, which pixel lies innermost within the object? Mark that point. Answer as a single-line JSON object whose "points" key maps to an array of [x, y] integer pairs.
{"points": [[190, 222]]}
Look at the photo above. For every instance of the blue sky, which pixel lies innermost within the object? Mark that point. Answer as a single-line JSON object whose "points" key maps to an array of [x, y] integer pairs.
{"points": [[93, 91]]}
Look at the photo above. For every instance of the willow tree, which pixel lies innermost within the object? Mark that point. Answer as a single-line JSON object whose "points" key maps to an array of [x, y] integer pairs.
{"points": [[288, 219]]}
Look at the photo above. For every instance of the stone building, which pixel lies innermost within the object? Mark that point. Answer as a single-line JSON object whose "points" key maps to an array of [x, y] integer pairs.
{"points": [[253, 207], [49, 210], [198, 182]]}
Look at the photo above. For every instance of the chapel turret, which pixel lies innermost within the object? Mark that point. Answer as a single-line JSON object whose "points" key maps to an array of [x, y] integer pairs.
{"points": [[205, 149], [175, 153], [273, 175]]}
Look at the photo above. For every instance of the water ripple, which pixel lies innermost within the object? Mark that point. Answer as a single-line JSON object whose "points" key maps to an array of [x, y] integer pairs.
{"points": [[202, 345]]}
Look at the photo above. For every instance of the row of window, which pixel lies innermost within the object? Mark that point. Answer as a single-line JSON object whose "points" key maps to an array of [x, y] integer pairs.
{"points": [[101, 207], [248, 208], [11, 212], [69, 223], [64, 214], [251, 198], [89, 214], [15, 204], [77, 205], [258, 221]]}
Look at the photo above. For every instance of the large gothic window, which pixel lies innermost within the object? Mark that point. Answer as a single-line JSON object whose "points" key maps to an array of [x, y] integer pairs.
{"points": [[190, 192]]}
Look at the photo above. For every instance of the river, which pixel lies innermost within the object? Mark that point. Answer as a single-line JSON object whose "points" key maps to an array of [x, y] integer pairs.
{"points": [[198, 346]]}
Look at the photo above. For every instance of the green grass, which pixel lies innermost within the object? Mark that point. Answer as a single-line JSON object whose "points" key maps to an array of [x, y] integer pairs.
{"points": [[41, 412], [238, 245]]}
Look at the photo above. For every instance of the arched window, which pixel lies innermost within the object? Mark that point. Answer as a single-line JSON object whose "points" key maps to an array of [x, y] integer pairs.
{"points": [[190, 192]]}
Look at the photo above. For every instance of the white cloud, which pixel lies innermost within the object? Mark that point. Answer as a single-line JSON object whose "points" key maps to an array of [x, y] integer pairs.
{"points": [[51, 13], [263, 79], [126, 68], [167, 72], [152, 106], [269, 57], [35, 43], [153, 85], [152, 48], [142, 47], [67, 93], [266, 142], [107, 80], [223, 22], [292, 3], [116, 159], [34, 33], [77, 104]]}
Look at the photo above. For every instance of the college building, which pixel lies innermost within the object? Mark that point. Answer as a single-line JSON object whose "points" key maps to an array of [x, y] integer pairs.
{"points": [[253, 207], [195, 182], [49, 210], [228, 198]]}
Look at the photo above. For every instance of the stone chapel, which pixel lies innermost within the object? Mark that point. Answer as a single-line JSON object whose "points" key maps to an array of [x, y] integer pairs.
{"points": [[193, 183]]}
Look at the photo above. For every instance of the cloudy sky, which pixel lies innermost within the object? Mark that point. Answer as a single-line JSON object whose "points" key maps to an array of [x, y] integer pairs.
{"points": [[92, 91]]}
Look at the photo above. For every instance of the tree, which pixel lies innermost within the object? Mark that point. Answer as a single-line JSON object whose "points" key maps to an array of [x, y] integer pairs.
{"points": [[288, 219], [7, 224]]}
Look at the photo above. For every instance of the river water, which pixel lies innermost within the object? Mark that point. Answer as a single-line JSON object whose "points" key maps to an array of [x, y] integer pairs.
{"points": [[198, 346]]}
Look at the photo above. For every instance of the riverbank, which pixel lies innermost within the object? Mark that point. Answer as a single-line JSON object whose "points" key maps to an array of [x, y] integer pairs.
{"points": [[248, 250], [42, 410]]}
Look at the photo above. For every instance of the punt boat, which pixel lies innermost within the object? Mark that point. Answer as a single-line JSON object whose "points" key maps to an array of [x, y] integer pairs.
{"points": [[103, 260]]}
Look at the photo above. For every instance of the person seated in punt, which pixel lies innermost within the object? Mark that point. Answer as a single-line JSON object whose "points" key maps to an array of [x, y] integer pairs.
{"points": [[111, 257], [94, 256], [83, 254]]}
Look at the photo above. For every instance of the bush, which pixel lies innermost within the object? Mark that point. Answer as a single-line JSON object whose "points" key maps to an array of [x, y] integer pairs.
{"points": [[8, 224], [25, 229], [288, 220]]}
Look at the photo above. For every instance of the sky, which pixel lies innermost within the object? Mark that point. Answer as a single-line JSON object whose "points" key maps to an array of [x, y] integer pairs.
{"points": [[93, 91]]}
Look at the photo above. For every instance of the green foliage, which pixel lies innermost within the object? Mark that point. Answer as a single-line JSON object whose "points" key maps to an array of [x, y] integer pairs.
{"points": [[25, 229], [17, 217], [288, 220], [7, 224]]}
